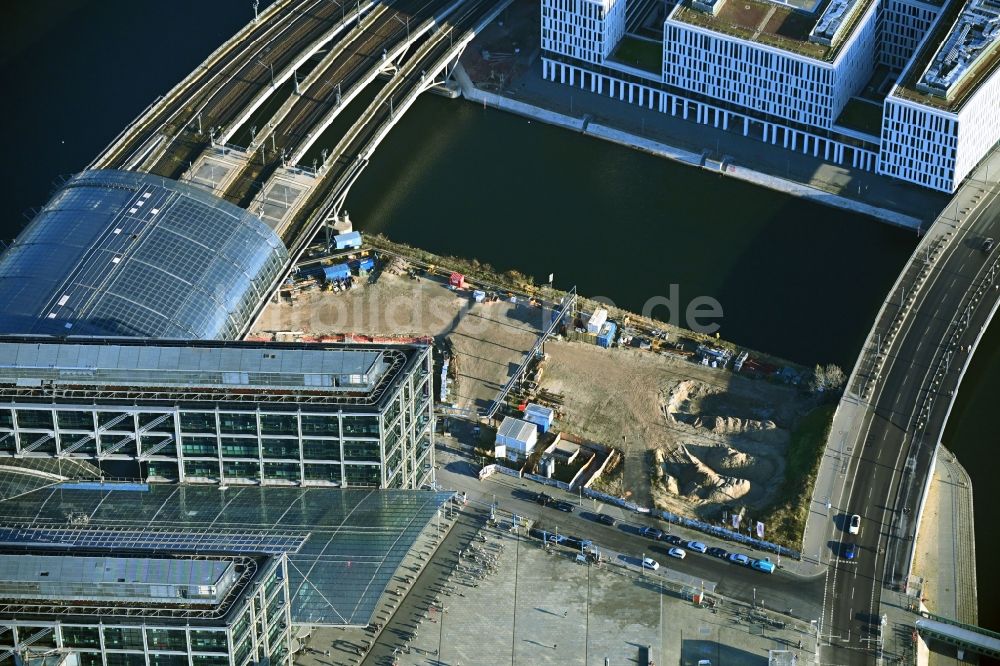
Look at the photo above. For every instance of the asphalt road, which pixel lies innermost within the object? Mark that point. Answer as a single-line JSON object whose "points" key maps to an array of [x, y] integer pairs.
{"points": [[896, 439], [781, 591]]}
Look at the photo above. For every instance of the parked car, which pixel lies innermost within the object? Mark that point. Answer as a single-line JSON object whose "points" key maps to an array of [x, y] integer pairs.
{"points": [[697, 546], [850, 551], [606, 519], [563, 506], [988, 244], [673, 538], [765, 565], [721, 553], [679, 553], [854, 527], [650, 563], [543, 499], [739, 558], [651, 532]]}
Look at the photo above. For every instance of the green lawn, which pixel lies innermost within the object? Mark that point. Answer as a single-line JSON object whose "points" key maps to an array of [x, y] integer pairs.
{"points": [[787, 517], [640, 53], [861, 115]]}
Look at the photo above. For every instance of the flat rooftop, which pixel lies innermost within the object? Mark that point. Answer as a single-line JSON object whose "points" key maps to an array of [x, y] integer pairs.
{"points": [[79, 584], [149, 580], [962, 51], [781, 26], [239, 371]]}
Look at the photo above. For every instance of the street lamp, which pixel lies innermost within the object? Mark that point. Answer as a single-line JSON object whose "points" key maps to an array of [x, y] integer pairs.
{"points": [[269, 66]]}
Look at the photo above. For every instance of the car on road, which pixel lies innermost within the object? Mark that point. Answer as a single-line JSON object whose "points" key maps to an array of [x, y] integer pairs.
{"points": [[988, 244], [739, 558], [697, 546], [563, 506], [854, 526], [543, 499], [673, 538], [606, 519], [679, 553], [652, 533], [650, 563], [851, 551], [764, 564], [721, 553]]}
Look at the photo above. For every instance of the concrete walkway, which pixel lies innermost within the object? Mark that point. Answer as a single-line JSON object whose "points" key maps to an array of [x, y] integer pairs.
{"points": [[946, 545]]}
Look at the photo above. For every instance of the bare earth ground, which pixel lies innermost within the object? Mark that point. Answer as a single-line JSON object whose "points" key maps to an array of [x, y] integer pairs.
{"points": [[695, 438], [489, 339]]}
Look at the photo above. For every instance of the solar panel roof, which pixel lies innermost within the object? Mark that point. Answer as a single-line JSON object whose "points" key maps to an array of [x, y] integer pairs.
{"points": [[344, 545]]}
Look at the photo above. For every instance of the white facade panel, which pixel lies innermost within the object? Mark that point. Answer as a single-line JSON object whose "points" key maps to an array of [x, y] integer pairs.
{"points": [[919, 144], [903, 25], [584, 29], [766, 79], [978, 126]]}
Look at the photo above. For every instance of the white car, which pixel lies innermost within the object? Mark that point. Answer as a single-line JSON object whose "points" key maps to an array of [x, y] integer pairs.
{"points": [[855, 525], [679, 553], [650, 563]]}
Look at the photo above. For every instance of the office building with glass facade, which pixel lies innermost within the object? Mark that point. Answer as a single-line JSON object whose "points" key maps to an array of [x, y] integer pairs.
{"points": [[137, 609], [222, 412]]}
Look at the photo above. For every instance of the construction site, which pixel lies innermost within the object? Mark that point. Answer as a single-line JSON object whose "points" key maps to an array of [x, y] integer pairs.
{"points": [[663, 418]]}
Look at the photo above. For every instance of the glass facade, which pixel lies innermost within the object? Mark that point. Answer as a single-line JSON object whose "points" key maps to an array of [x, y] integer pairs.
{"points": [[232, 639], [276, 436], [127, 253]]}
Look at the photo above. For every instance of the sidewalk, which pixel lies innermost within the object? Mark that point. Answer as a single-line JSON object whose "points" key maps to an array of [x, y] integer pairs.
{"points": [[946, 548]]}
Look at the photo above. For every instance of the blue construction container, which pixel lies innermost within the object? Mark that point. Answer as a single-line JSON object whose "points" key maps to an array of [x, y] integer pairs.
{"points": [[366, 264], [347, 241], [607, 335], [336, 272]]}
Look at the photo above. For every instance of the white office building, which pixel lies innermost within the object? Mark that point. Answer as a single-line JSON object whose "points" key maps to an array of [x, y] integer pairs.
{"points": [[587, 30], [944, 113], [785, 72]]}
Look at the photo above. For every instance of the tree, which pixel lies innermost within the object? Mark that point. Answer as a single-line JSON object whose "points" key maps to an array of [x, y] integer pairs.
{"points": [[830, 378]]}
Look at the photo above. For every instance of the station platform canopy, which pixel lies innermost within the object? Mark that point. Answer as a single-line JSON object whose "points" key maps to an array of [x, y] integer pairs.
{"points": [[119, 253], [343, 545]]}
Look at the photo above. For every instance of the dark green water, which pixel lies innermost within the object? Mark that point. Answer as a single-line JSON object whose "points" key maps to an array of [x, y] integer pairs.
{"points": [[795, 279]]}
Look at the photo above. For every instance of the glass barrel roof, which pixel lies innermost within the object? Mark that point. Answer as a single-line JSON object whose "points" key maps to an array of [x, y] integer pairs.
{"points": [[343, 545], [126, 253]]}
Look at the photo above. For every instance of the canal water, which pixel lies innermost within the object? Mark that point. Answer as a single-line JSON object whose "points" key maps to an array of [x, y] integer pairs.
{"points": [[793, 278]]}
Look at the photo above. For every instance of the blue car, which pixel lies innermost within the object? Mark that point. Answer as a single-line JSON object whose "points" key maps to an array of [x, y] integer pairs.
{"points": [[739, 558], [765, 565], [851, 551]]}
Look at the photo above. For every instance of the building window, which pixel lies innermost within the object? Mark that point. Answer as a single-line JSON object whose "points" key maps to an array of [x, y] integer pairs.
{"points": [[123, 638], [361, 426], [278, 424], [280, 448], [34, 418], [359, 450], [361, 475], [322, 426], [81, 636], [208, 641], [321, 449], [198, 422], [75, 420], [238, 424]]}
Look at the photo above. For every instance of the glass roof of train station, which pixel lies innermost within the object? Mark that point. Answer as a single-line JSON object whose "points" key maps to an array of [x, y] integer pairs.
{"points": [[125, 253], [344, 546]]}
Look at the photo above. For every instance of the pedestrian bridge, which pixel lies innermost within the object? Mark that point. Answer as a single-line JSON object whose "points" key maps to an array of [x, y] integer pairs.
{"points": [[963, 637]]}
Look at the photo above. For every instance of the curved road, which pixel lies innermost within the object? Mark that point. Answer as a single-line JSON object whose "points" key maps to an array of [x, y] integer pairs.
{"points": [[897, 431]]}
